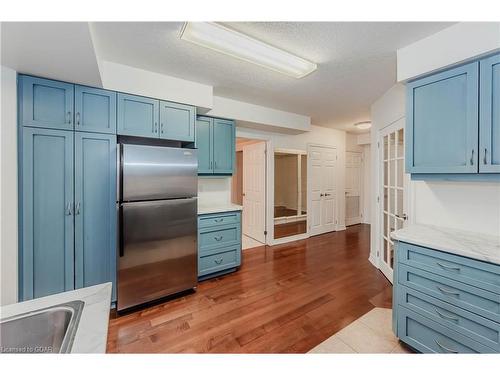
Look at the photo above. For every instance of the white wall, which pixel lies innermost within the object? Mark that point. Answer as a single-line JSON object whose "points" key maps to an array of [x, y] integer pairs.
{"points": [[214, 190], [468, 206], [8, 187], [452, 45], [132, 80]]}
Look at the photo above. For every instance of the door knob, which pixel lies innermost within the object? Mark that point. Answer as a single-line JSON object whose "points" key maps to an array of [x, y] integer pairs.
{"points": [[322, 195]]}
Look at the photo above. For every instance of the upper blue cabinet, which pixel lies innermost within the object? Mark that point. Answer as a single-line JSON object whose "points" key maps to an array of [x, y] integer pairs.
{"points": [[489, 115], [215, 140], [46, 103], [442, 122], [95, 110], [177, 121], [138, 116], [453, 122], [146, 117]]}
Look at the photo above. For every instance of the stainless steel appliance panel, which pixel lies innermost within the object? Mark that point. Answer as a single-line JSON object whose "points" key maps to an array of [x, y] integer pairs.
{"points": [[158, 250], [152, 172]]}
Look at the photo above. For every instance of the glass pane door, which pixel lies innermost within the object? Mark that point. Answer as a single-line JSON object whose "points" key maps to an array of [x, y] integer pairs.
{"points": [[392, 201]]}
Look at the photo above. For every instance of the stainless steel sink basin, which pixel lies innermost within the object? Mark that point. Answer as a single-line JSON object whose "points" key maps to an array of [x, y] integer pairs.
{"points": [[48, 330]]}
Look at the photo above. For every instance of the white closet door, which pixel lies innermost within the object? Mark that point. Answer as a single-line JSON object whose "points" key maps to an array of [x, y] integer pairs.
{"points": [[322, 162], [254, 191]]}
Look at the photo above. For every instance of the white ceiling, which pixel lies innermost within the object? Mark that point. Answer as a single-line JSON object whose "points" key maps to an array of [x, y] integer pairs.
{"points": [[356, 62]]}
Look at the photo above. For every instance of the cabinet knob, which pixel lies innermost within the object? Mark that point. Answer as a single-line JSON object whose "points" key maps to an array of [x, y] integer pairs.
{"points": [[485, 160], [472, 158]]}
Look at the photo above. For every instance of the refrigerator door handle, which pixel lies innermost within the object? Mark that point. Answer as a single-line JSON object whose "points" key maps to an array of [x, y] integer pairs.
{"points": [[119, 232]]}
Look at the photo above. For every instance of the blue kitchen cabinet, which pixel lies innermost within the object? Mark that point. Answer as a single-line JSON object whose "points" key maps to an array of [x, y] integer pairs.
{"points": [[95, 110], [177, 121], [489, 115], [45, 103], [445, 303], [95, 209], [442, 122], [138, 116], [216, 143], [204, 143], [224, 146], [47, 235], [219, 243]]}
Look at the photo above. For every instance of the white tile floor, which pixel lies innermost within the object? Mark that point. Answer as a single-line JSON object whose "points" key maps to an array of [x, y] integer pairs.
{"points": [[248, 242], [372, 333]]}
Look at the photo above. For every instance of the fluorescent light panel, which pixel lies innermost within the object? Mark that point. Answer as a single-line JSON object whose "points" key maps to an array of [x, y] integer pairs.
{"points": [[241, 46]]}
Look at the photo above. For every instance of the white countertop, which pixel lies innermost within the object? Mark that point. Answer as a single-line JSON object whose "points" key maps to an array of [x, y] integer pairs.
{"points": [[215, 208], [92, 332], [473, 245]]}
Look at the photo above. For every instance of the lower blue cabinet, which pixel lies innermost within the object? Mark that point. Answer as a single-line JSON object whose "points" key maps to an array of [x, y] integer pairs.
{"points": [[95, 210], [67, 200], [444, 303], [47, 235], [219, 243]]}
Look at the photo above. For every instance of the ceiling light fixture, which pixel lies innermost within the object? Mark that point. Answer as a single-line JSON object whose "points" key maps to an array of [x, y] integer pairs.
{"points": [[363, 125], [222, 39]]}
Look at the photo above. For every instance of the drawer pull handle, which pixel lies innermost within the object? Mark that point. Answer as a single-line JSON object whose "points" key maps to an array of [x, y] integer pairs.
{"points": [[445, 348], [446, 267], [444, 316], [446, 291], [218, 238], [218, 261], [218, 220]]}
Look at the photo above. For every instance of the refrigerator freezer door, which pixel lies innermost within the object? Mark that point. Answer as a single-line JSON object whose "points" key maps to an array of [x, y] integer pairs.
{"points": [[158, 254], [152, 172]]}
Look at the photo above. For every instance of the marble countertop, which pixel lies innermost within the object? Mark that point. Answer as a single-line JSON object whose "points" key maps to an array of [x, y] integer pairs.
{"points": [[215, 208], [92, 331], [473, 245]]}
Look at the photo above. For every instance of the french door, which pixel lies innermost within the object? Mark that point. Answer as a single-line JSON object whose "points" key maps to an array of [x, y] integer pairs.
{"points": [[393, 184]]}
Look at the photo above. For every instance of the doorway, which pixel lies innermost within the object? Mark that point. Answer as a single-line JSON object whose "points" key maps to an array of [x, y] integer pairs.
{"points": [[353, 187], [249, 189], [393, 187], [323, 196]]}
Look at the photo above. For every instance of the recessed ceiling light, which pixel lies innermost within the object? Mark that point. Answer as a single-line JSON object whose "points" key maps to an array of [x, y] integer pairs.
{"points": [[363, 125], [222, 39]]}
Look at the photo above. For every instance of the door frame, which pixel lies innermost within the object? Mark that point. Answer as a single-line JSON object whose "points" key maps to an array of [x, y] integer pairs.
{"points": [[407, 198], [361, 188], [269, 183], [309, 183]]}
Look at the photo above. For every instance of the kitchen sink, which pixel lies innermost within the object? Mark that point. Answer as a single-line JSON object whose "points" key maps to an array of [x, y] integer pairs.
{"points": [[48, 330]]}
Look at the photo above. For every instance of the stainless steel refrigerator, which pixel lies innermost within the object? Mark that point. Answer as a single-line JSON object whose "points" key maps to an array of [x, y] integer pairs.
{"points": [[157, 214]]}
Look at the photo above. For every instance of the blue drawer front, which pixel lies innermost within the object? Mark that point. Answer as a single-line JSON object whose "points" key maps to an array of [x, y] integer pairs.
{"points": [[211, 220], [472, 272], [477, 300], [427, 336], [219, 236], [229, 257], [480, 329]]}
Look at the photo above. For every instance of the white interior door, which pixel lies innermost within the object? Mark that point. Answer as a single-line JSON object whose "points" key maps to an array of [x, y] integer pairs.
{"points": [[393, 186], [353, 187], [322, 161], [254, 191]]}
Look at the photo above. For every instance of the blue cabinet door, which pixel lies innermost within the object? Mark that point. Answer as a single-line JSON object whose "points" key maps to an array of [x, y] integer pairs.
{"points": [[204, 143], [95, 209], [442, 122], [138, 116], [47, 260], [95, 110], [177, 121], [45, 103], [489, 115], [224, 146]]}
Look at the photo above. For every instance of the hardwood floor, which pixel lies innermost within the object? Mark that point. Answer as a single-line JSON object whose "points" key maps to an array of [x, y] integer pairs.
{"points": [[284, 299]]}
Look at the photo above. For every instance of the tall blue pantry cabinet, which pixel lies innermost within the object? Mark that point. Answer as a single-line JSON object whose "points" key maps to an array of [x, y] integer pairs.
{"points": [[67, 186]]}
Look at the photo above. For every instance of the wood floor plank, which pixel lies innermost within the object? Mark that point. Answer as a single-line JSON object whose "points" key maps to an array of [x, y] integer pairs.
{"points": [[284, 299]]}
